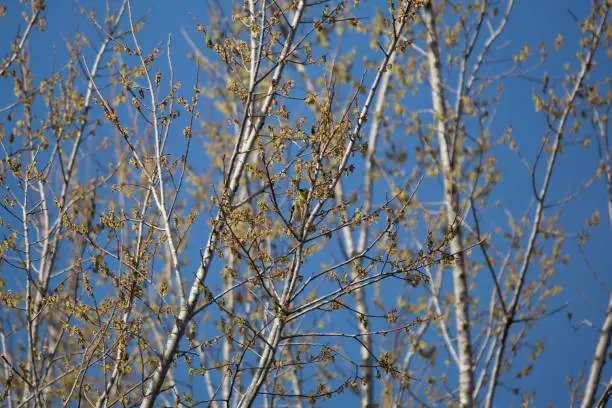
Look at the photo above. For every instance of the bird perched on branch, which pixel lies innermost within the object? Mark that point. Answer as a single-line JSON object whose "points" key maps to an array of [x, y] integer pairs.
{"points": [[298, 209]]}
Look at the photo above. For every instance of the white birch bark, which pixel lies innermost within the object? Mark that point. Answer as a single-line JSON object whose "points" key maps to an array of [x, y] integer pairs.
{"points": [[590, 390], [539, 211], [603, 343], [451, 201], [239, 159]]}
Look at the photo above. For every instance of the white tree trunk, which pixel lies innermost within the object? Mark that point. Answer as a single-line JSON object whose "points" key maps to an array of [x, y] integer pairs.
{"points": [[599, 360], [451, 201]]}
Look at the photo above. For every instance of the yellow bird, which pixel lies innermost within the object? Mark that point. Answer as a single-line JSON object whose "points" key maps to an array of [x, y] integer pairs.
{"points": [[298, 209]]}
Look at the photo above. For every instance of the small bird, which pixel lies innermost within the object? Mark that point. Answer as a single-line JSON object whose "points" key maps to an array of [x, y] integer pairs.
{"points": [[427, 353], [298, 209]]}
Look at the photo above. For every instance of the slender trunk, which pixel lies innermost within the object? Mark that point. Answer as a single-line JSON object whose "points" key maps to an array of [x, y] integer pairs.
{"points": [[599, 360], [367, 392], [539, 213], [236, 167], [451, 200]]}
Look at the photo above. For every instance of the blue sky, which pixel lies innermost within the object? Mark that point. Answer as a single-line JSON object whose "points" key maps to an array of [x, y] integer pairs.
{"points": [[568, 350]]}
